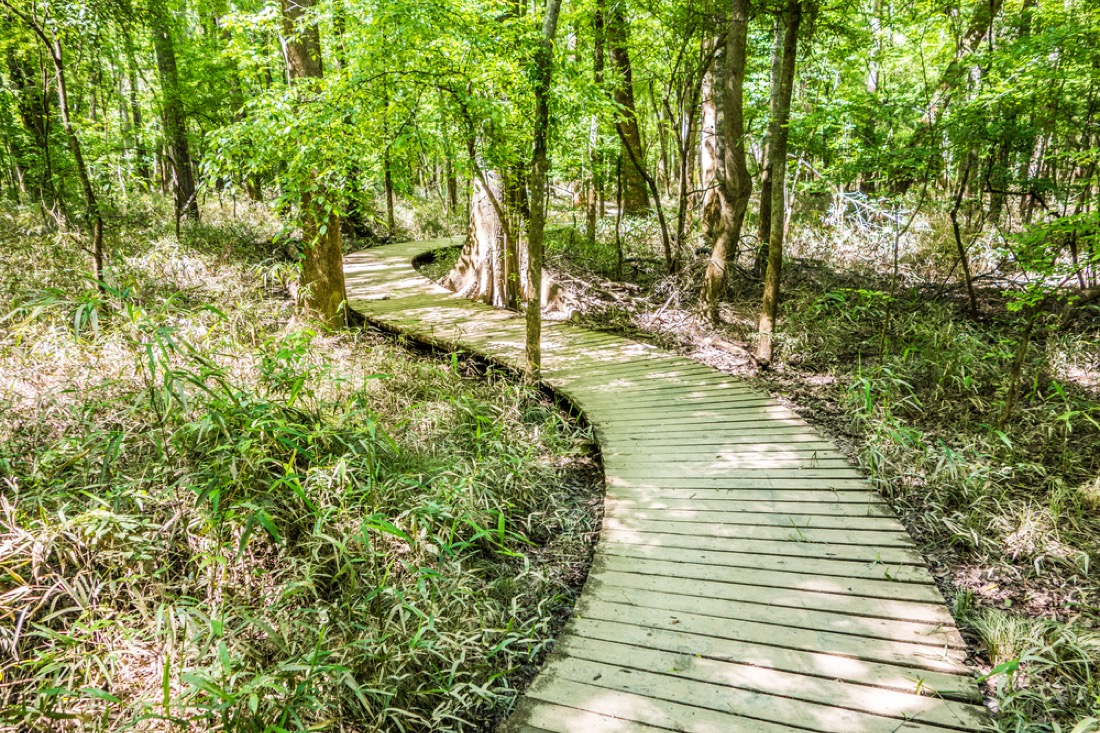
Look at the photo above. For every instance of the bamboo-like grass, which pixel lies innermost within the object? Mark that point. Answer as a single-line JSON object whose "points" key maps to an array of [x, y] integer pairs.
{"points": [[216, 516]]}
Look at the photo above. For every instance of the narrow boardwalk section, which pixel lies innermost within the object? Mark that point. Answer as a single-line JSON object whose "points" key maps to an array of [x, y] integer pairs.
{"points": [[747, 578]]}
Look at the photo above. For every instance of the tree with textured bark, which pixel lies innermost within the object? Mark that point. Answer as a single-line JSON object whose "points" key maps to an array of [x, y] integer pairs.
{"points": [[488, 268], [764, 224], [616, 36], [540, 162], [322, 261], [175, 121], [778, 134], [735, 185]]}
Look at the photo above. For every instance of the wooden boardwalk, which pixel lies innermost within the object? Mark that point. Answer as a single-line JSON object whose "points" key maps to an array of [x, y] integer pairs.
{"points": [[747, 578]]}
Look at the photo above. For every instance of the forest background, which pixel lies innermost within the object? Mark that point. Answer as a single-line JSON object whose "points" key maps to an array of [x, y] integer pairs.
{"points": [[883, 211]]}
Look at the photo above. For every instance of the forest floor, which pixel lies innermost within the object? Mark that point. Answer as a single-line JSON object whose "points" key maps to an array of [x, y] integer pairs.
{"points": [[1007, 511], [216, 515]]}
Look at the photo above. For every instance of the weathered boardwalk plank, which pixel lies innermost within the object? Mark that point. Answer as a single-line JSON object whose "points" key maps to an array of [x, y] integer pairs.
{"points": [[747, 578]]}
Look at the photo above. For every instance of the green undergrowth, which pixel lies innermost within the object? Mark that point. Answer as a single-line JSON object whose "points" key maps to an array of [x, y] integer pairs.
{"points": [[216, 516], [440, 262], [1006, 506]]}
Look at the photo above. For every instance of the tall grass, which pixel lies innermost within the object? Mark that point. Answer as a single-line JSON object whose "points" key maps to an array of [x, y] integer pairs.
{"points": [[1006, 512], [216, 516]]}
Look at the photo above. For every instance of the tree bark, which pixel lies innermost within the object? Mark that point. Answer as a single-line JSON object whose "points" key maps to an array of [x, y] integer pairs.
{"points": [[710, 152], [322, 260], [594, 203], [961, 247], [137, 124], [451, 181], [488, 268], [685, 141], [781, 107], [764, 226], [982, 15], [735, 182], [874, 61], [33, 108], [175, 122], [540, 163], [634, 178]]}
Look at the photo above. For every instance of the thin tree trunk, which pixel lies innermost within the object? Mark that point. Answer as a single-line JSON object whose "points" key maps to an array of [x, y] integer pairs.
{"points": [[1017, 368], [95, 217], [175, 123], [982, 15], [868, 128], [769, 310], [387, 182], [686, 143], [964, 260], [92, 212], [595, 192], [33, 108], [21, 162], [634, 177], [592, 190], [709, 151], [764, 226], [619, 217], [137, 124], [322, 263], [540, 163], [736, 183], [637, 165], [452, 184]]}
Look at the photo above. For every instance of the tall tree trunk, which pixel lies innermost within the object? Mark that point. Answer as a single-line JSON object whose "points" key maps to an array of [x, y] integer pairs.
{"points": [[517, 207], [710, 152], [634, 177], [961, 247], [540, 163], [137, 124], [781, 107], [685, 142], [452, 184], [22, 162], [322, 263], [387, 163], [592, 189], [94, 215], [594, 207], [874, 62], [387, 184], [764, 226], [735, 181], [175, 123], [982, 15]]}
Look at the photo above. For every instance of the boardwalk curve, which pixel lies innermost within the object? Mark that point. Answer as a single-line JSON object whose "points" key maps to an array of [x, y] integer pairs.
{"points": [[746, 579]]}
